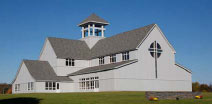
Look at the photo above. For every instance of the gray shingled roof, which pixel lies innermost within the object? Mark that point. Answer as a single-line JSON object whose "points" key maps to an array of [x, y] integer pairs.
{"points": [[42, 71], [93, 18], [66, 48], [101, 68], [77, 49], [125, 41]]}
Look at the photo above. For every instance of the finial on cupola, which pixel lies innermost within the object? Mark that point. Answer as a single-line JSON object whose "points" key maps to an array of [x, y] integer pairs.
{"points": [[93, 26]]}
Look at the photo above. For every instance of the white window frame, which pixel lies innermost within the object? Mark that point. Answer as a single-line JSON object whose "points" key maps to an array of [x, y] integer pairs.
{"points": [[17, 87], [125, 56], [89, 83], [113, 58], [101, 60], [69, 62], [50, 85], [30, 85]]}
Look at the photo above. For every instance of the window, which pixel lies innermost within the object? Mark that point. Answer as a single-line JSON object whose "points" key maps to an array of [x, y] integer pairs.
{"points": [[96, 82], [70, 62], [50, 86], [17, 87], [92, 82], [89, 83], [155, 49], [125, 56], [101, 60], [113, 58], [30, 85], [58, 86]]}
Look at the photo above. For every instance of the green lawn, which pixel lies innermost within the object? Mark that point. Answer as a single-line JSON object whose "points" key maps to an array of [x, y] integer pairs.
{"points": [[94, 98]]}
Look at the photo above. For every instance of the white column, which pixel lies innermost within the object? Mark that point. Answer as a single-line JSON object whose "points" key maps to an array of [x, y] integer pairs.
{"points": [[83, 33], [93, 29], [89, 29], [102, 31]]}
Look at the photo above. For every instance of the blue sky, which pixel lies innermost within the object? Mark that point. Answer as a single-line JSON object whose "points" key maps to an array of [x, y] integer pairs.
{"points": [[24, 25]]}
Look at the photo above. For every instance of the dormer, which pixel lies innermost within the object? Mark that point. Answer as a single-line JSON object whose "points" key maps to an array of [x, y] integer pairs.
{"points": [[93, 29]]}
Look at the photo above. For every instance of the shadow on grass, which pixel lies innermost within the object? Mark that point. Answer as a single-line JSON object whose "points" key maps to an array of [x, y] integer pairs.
{"points": [[21, 100]]}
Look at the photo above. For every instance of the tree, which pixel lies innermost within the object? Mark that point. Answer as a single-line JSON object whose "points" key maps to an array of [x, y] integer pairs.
{"points": [[195, 86], [204, 88], [210, 87]]}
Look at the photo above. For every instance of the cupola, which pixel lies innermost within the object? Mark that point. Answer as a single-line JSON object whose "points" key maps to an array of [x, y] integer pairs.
{"points": [[93, 29], [93, 26]]}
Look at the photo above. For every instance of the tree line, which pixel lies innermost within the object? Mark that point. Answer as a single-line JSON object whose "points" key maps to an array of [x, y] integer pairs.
{"points": [[5, 88], [197, 87]]}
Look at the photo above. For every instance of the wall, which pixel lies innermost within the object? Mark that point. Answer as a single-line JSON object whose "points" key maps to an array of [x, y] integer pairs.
{"points": [[95, 62], [64, 87], [23, 77], [92, 40], [140, 76], [48, 54], [63, 70], [106, 81]]}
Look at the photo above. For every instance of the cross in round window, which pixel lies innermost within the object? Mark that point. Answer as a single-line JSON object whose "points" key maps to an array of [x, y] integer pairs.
{"points": [[155, 50]]}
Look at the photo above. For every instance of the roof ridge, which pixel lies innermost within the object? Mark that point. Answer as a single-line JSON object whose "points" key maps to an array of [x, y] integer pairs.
{"points": [[62, 38], [24, 60], [133, 30], [93, 18], [125, 32]]}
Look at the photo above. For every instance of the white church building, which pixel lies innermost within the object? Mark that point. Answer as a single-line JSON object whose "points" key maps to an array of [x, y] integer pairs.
{"points": [[137, 60]]}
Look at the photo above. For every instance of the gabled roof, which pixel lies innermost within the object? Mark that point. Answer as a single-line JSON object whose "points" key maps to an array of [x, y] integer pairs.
{"points": [[42, 71], [101, 68], [93, 18], [66, 48], [125, 41], [78, 49]]}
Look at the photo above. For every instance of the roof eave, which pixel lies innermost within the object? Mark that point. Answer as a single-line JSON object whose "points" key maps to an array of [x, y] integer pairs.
{"points": [[104, 23]]}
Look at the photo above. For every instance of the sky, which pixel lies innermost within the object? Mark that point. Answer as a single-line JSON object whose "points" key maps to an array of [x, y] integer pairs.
{"points": [[25, 24]]}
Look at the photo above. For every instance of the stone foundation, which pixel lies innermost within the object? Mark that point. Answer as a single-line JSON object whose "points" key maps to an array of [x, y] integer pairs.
{"points": [[172, 95]]}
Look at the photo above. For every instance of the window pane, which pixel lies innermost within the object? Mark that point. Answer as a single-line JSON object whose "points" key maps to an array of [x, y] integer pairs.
{"points": [[32, 85], [54, 85], [152, 45], [73, 63], [128, 57], [152, 54], [50, 84], [66, 62], [47, 84], [69, 62], [158, 54], [158, 46]]}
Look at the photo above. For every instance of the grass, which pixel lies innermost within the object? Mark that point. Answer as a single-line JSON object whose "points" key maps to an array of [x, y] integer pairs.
{"points": [[94, 98]]}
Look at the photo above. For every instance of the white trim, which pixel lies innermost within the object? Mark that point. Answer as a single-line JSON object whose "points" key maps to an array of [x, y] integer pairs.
{"points": [[166, 38], [134, 61], [53, 81], [22, 63], [94, 22], [162, 35], [186, 69], [44, 46]]}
